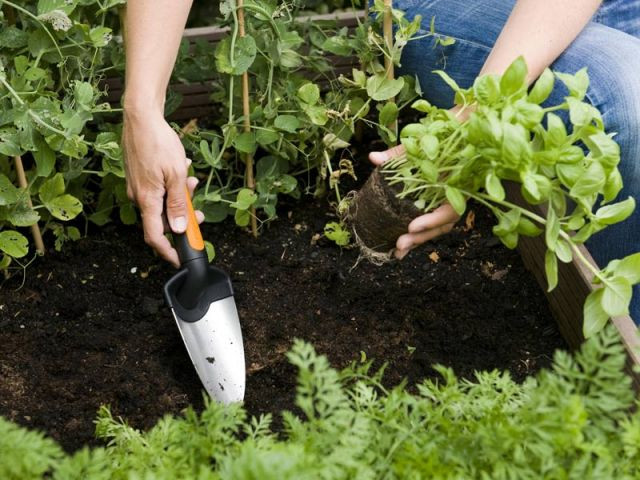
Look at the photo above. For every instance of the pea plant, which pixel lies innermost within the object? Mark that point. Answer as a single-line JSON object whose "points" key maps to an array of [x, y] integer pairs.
{"points": [[55, 55], [511, 137], [52, 56], [301, 113]]}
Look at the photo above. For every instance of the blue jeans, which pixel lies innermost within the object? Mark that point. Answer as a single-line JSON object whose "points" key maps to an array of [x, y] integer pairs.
{"points": [[609, 47]]}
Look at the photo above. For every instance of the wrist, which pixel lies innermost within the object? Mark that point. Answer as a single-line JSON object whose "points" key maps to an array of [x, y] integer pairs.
{"points": [[142, 104]]}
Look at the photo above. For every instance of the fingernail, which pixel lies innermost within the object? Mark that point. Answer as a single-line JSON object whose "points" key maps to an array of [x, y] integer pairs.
{"points": [[376, 156], [400, 254], [179, 224]]}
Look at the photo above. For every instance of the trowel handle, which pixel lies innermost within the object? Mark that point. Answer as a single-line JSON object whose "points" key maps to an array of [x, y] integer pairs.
{"points": [[190, 245]]}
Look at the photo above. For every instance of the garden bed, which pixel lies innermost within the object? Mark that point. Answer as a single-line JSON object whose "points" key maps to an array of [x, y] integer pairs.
{"points": [[89, 325]]}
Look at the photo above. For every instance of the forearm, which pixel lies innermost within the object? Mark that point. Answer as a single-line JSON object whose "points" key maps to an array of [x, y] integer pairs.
{"points": [[539, 30], [153, 30]]}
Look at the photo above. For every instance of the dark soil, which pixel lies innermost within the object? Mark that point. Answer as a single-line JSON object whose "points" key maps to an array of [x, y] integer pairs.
{"points": [[89, 325], [377, 216]]}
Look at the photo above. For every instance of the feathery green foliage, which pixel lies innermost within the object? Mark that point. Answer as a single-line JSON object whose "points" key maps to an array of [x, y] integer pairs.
{"points": [[572, 421]]}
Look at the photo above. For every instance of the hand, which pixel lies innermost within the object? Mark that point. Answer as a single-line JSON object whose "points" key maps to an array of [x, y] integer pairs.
{"points": [[425, 227], [155, 164]]}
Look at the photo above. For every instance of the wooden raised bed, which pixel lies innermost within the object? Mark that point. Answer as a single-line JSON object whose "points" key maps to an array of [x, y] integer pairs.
{"points": [[566, 300]]}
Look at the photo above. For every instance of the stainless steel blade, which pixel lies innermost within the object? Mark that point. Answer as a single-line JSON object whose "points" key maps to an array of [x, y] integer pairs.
{"points": [[215, 346]]}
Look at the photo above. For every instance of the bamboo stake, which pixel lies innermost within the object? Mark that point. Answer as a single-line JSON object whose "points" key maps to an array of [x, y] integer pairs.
{"points": [[35, 228], [387, 31], [246, 112], [22, 178]]}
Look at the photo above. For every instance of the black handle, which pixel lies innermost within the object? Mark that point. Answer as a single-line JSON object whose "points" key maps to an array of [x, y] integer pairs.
{"points": [[193, 257]]}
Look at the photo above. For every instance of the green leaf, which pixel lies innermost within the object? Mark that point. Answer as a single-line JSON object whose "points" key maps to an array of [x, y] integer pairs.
{"points": [[422, 106], [288, 123], [616, 212], [552, 230], [456, 199], [590, 182], [245, 198], [128, 214], [576, 84], [242, 218], [514, 78], [244, 55], [629, 268], [100, 36], [12, 37], [8, 191], [245, 142], [337, 233], [14, 243], [616, 296], [21, 215], [45, 158], [556, 131], [309, 93], [83, 93], [542, 88], [551, 269], [388, 114], [266, 137], [528, 228], [494, 187], [563, 251], [65, 207], [211, 252], [317, 114], [52, 188], [46, 6], [595, 318], [381, 88], [430, 145], [580, 113], [487, 89]]}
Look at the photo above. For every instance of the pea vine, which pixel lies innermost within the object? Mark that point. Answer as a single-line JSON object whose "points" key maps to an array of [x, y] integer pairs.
{"points": [[55, 56]]}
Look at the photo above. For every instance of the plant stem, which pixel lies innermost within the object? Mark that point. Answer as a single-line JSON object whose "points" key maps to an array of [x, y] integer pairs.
{"points": [[246, 113]]}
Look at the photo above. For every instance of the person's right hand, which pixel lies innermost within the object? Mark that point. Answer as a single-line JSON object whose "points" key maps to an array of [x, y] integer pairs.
{"points": [[425, 227], [155, 165]]}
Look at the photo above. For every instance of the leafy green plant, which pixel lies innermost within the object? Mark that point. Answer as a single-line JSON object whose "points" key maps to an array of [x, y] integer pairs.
{"points": [[509, 136], [573, 421], [52, 55]]}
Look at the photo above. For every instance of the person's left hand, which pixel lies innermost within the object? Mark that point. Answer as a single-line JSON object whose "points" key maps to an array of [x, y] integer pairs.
{"points": [[425, 227]]}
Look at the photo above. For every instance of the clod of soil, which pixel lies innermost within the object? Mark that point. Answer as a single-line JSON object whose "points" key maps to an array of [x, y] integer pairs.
{"points": [[378, 217], [89, 326]]}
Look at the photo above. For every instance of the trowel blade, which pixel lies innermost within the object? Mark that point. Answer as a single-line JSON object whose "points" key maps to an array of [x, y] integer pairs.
{"points": [[215, 346]]}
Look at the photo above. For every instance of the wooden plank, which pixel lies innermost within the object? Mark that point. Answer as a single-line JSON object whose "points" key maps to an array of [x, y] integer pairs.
{"points": [[574, 284], [114, 86]]}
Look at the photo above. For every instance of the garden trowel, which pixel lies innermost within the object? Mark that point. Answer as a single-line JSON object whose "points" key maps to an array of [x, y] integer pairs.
{"points": [[201, 299]]}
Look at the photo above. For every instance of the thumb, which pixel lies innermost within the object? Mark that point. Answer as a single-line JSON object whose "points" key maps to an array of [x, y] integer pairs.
{"points": [[177, 203], [378, 158]]}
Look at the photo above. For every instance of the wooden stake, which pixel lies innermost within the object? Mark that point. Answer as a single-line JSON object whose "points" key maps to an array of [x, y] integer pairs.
{"points": [[387, 31], [246, 112], [22, 181]]}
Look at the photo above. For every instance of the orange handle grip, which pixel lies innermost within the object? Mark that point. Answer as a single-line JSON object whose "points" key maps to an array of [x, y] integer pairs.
{"points": [[194, 236]]}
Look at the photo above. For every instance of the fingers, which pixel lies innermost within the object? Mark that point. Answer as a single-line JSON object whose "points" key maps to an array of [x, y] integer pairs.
{"points": [[409, 241], [378, 158], [440, 216], [152, 223], [177, 199]]}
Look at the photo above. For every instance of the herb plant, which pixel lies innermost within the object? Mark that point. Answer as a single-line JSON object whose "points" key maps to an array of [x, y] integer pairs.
{"points": [[510, 137], [573, 421]]}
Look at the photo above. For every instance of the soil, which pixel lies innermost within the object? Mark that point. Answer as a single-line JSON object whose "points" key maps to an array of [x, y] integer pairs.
{"points": [[89, 325], [377, 216]]}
